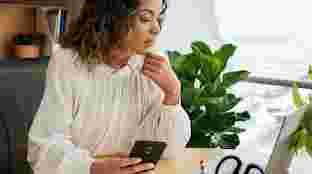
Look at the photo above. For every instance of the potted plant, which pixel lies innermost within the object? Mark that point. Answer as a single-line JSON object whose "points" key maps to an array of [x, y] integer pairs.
{"points": [[27, 45], [206, 97]]}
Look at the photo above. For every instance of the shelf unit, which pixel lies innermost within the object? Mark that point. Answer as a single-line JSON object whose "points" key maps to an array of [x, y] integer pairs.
{"points": [[48, 16], [53, 4]]}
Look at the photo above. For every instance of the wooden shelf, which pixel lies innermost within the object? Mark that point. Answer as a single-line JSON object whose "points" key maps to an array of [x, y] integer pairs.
{"points": [[53, 4]]}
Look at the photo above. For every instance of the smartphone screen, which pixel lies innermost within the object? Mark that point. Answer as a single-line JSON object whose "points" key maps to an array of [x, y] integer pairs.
{"points": [[149, 151]]}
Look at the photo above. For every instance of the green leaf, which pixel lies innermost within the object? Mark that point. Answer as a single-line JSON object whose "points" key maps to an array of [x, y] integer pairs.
{"points": [[310, 72], [215, 123], [204, 77], [224, 53], [209, 100], [226, 119], [309, 98], [207, 88], [190, 68], [191, 110], [176, 59], [235, 130], [215, 89], [229, 141], [231, 78], [186, 96], [197, 83], [296, 140], [196, 50], [229, 102], [218, 89], [211, 67], [243, 116], [173, 54], [197, 118], [194, 60], [190, 95], [308, 145], [222, 104], [307, 119], [202, 47], [216, 68], [297, 100]]}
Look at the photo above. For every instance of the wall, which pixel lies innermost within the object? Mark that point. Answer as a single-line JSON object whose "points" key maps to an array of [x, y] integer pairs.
{"points": [[13, 20], [187, 21]]}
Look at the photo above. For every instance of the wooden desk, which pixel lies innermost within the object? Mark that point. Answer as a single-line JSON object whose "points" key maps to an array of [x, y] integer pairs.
{"points": [[188, 163]]}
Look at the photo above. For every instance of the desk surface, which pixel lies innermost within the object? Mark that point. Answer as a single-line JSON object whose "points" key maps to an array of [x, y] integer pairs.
{"points": [[188, 163]]}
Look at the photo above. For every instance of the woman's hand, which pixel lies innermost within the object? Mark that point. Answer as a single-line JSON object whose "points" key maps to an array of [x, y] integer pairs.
{"points": [[120, 164], [158, 69]]}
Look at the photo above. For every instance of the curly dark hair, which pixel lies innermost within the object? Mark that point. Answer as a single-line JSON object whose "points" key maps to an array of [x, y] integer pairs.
{"points": [[92, 46]]}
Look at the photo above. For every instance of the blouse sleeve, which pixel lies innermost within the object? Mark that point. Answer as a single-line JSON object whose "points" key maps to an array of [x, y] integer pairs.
{"points": [[50, 149], [169, 123]]}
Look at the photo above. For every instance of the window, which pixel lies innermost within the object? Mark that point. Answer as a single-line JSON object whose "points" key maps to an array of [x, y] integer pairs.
{"points": [[274, 40], [272, 36]]}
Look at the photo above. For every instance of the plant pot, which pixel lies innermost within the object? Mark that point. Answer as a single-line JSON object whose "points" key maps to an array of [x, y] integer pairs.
{"points": [[27, 51], [198, 154]]}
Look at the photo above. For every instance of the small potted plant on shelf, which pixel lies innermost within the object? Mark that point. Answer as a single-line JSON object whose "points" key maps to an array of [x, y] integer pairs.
{"points": [[206, 97], [27, 46]]}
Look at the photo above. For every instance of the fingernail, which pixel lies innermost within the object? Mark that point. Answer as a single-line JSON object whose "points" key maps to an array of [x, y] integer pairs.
{"points": [[151, 165], [137, 159]]}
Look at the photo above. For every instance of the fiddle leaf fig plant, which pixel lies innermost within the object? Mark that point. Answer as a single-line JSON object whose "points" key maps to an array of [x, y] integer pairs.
{"points": [[205, 95]]}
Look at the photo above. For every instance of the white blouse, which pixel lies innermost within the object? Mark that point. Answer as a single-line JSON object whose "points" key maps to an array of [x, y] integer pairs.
{"points": [[100, 112]]}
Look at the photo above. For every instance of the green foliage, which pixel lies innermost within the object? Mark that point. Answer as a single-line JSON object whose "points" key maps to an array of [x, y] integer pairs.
{"points": [[23, 40], [205, 94], [297, 99], [301, 138], [310, 72]]}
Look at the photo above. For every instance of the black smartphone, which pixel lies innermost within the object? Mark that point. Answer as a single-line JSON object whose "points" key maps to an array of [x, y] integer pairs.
{"points": [[148, 151]]}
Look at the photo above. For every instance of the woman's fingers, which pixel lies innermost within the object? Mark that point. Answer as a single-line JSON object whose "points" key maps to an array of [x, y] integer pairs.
{"points": [[156, 57], [118, 155], [148, 172], [151, 74], [138, 168], [121, 155], [155, 61], [115, 165], [152, 68], [125, 162]]}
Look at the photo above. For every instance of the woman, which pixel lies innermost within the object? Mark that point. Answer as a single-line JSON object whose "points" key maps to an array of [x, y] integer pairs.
{"points": [[102, 94]]}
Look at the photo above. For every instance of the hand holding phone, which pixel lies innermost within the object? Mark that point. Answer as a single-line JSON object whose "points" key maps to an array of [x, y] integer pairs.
{"points": [[148, 151]]}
